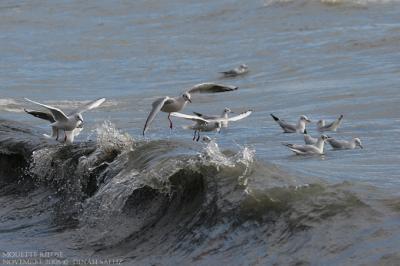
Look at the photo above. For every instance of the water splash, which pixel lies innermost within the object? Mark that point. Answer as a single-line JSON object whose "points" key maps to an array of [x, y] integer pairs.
{"points": [[110, 139]]}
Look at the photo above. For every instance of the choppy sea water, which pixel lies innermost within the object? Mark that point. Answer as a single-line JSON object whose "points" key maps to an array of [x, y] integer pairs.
{"points": [[243, 199]]}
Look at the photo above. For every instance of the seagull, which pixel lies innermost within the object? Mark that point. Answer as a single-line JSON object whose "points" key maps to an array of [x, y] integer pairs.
{"points": [[308, 139], [206, 125], [69, 122], [224, 115], [176, 104], [240, 70], [321, 126], [49, 117], [345, 145], [289, 128], [308, 149]]}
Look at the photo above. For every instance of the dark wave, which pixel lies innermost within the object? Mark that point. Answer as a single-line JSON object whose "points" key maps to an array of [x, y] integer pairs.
{"points": [[143, 199]]}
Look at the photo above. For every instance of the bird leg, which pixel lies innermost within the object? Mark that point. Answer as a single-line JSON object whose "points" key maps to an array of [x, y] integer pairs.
{"points": [[194, 135], [198, 135], [170, 121], [65, 137], [57, 134]]}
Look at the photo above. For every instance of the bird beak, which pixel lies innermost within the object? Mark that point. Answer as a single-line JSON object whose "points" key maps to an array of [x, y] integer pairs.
{"points": [[361, 146], [308, 120], [189, 100]]}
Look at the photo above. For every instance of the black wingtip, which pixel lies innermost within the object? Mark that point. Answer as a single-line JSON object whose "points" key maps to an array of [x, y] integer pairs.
{"points": [[198, 114], [305, 131], [274, 117]]}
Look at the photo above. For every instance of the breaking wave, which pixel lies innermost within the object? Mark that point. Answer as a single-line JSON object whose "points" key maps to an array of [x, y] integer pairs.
{"points": [[144, 199]]}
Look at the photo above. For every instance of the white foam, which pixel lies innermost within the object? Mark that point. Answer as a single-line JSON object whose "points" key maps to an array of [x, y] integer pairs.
{"points": [[109, 138], [10, 105]]}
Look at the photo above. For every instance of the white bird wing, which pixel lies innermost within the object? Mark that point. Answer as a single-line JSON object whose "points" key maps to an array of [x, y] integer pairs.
{"points": [[234, 72], [89, 106], [211, 88], [309, 140], [57, 113], [190, 117], [156, 107], [239, 117], [208, 117], [338, 144], [286, 126], [302, 149], [42, 115]]}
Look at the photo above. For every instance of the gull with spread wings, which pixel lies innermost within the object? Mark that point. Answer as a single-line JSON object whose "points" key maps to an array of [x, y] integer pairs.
{"points": [[49, 117], [206, 125], [176, 104], [68, 123], [224, 115]]}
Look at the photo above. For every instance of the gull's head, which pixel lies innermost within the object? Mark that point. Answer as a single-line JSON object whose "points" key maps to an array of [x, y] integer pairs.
{"points": [[324, 137], [305, 119], [243, 66], [227, 110], [357, 141], [187, 97], [78, 117], [321, 123]]}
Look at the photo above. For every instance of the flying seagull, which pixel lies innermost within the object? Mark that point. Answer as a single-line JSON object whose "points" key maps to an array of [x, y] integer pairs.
{"points": [[206, 125], [176, 104], [224, 115]]}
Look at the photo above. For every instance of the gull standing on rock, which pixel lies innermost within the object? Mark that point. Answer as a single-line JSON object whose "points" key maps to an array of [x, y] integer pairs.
{"points": [[240, 70], [68, 123], [224, 115], [176, 104], [321, 126], [317, 148], [49, 117], [206, 125], [290, 128], [345, 145]]}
